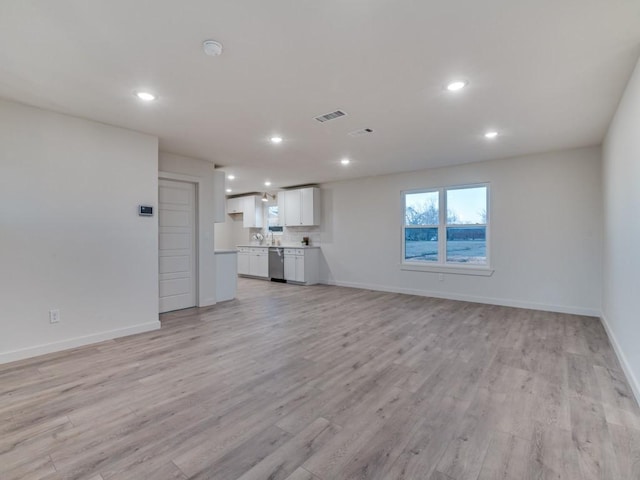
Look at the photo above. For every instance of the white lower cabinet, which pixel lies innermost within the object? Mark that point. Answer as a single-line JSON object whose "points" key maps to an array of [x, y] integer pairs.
{"points": [[243, 261], [300, 268], [259, 262], [253, 261], [301, 265], [290, 267]]}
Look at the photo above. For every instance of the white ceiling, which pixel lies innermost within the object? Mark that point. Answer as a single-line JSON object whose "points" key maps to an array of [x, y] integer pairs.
{"points": [[547, 74]]}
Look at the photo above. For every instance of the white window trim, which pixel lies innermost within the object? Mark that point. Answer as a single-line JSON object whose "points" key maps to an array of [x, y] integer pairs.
{"points": [[479, 271], [441, 266]]}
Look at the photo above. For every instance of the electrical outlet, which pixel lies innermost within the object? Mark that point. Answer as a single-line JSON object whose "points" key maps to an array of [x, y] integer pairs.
{"points": [[54, 316], [441, 277]]}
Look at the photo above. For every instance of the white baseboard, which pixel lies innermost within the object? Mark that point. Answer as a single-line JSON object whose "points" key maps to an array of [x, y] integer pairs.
{"points": [[472, 298], [631, 378], [12, 356]]}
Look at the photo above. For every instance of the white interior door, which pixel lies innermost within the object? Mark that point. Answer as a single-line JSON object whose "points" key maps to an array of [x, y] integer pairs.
{"points": [[177, 244]]}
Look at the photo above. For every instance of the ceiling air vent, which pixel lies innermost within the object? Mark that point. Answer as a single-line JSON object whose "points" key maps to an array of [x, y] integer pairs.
{"points": [[359, 133], [330, 116]]}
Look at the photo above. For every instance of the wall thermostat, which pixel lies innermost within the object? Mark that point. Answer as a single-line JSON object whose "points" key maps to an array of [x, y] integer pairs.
{"points": [[145, 211]]}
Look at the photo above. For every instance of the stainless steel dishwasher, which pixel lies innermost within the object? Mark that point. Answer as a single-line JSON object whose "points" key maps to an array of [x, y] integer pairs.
{"points": [[276, 264]]}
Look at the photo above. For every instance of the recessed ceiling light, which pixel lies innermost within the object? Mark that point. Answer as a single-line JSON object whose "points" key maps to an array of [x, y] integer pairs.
{"points": [[229, 190], [267, 183], [491, 134], [146, 96], [457, 85], [231, 177], [212, 48], [345, 161], [276, 139]]}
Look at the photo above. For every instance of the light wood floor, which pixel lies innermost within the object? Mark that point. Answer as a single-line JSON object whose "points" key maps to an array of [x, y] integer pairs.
{"points": [[309, 383]]}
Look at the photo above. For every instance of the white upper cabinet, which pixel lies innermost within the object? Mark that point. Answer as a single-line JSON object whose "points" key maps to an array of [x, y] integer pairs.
{"points": [[310, 206], [250, 207], [252, 212], [235, 204], [281, 209], [292, 200], [302, 207]]}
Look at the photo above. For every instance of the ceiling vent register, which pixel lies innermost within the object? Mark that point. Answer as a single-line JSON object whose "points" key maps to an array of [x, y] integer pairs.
{"points": [[330, 116]]}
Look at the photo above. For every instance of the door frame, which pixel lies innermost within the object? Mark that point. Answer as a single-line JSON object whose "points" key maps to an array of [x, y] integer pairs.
{"points": [[177, 177]]}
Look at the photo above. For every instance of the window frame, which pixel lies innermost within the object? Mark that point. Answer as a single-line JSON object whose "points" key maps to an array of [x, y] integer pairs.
{"points": [[441, 265]]}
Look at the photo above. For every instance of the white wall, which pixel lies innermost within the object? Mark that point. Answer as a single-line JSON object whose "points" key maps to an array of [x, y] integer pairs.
{"points": [[70, 234], [546, 225], [621, 261], [200, 172], [231, 233]]}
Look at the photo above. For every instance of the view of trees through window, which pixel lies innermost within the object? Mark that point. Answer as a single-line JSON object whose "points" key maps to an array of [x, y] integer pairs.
{"points": [[273, 217], [461, 233]]}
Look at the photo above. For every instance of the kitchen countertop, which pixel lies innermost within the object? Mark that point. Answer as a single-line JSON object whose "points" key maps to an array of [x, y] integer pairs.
{"points": [[281, 246], [225, 251]]}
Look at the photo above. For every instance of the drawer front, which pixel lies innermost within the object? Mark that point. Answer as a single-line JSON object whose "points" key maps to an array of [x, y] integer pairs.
{"points": [[289, 251], [243, 249], [259, 250], [299, 251]]}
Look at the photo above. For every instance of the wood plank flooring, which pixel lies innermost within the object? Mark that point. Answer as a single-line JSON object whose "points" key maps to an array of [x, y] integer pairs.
{"points": [[327, 383]]}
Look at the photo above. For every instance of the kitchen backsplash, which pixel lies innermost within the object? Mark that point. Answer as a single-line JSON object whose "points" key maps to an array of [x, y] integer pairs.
{"points": [[290, 235], [293, 235]]}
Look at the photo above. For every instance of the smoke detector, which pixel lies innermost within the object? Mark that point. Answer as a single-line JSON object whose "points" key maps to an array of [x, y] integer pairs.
{"points": [[212, 48], [362, 131]]}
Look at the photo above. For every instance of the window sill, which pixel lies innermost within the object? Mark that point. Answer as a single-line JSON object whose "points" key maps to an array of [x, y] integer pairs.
{"points": [[479, 271]]}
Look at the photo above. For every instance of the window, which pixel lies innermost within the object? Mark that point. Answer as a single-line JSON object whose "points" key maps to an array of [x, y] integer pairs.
{"points": [[446, 227], [274, 226], [273, 219]]}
